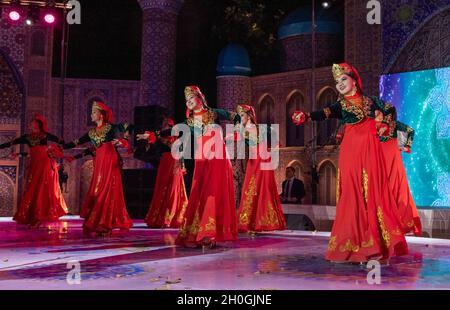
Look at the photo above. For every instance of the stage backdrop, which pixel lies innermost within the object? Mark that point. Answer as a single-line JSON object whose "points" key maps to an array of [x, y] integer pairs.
{"points": [[422, 99]]}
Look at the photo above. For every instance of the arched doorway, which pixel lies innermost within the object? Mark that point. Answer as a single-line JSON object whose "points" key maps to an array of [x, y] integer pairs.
{"points": [[295, 135], [327, 184], [266, 113]]}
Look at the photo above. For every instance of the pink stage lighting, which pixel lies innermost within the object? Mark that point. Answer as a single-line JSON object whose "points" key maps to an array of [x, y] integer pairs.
{"points": [[14, 15], [49, 18]]}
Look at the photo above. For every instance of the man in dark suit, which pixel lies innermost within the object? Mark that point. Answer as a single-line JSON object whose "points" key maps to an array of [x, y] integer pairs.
{"points": [[293, 190]]}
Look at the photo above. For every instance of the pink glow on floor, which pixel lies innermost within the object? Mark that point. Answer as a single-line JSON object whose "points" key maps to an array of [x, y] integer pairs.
{"points": [[147, 259]]}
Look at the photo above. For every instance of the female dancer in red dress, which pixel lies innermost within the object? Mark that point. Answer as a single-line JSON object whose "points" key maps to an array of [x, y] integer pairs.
{"points": [[389, 129], [366, 225], [42, 200], [260, 208], [211, 211], [104, 205], [169, 201]]}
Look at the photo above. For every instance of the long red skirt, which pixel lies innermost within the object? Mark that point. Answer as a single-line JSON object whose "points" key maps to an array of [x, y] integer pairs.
{"points": [[260, 208], [211, 210], [169, 200], [42, 200], [398, 183], [366, 226], [104, 206]]}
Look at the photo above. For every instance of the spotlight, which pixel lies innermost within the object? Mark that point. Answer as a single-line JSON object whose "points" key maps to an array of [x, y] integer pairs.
{"points": [[14, 15], [49, 18], [48, 14], [325, 4]]}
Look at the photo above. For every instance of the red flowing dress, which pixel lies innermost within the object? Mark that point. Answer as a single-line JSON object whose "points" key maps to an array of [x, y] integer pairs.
{"points": [[260, 207], [104, 207], [42, 200], [211, 211], [366, 225], [388, 129], [169, 201]]}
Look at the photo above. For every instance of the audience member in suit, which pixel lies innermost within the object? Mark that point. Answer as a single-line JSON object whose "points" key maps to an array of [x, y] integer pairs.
{"points": [[293, 189]]}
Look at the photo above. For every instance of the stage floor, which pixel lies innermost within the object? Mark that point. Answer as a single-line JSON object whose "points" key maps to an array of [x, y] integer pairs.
{"points": [[147, 259]]}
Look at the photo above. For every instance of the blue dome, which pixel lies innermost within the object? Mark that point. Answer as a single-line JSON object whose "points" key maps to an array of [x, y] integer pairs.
{"points": [[299, 22], [233, 60]]}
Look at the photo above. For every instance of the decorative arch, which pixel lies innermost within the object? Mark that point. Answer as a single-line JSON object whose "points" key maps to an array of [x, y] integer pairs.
{"points": [[295, 135], [327, 183], [326, 129], [321, 163], [299, 169], [8, 196], [415, 53], [266, 113]]}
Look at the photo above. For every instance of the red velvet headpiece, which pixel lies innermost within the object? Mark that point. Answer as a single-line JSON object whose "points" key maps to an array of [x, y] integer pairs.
{"points": [[40, 118], [98, 105], [247, 109], [345, 68]]}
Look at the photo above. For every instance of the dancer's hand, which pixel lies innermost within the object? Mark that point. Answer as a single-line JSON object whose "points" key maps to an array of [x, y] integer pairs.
{"points": [[299, 118], [378, 116], [148, 135], [405, 149], [143, 136], [13, 156], [179, 169]]}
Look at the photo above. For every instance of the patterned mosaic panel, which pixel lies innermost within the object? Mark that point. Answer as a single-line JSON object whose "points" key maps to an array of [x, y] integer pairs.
{"points": [[6, 193], [12, 41], [402, 19], [6, 136], [10, 171], [296, 52], [158, 58], [233, 90], [10, 95], [428, 48], [166, 5]]}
